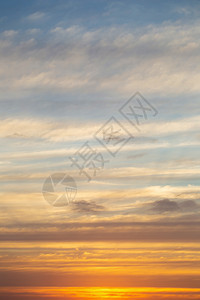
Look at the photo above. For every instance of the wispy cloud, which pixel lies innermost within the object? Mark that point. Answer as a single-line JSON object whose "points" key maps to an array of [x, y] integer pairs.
{"points": [[74, 58], [35, 17]]}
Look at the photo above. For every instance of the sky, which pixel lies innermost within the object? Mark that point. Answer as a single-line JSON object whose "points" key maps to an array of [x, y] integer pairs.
{"points": [[99, 156]]}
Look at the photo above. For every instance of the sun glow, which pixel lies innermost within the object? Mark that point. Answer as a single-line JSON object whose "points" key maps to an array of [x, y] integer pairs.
{"points": [[92, 293]]}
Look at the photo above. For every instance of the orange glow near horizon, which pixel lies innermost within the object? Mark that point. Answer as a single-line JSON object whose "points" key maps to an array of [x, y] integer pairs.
{"points": [[93, 293]]}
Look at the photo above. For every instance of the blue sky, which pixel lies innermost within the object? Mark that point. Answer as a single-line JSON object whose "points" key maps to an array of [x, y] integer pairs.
{"points": [[94, 14], [68, 66]]}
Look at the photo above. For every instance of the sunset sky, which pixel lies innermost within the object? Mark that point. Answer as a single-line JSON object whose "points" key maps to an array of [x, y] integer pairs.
{"points": [[71, 73]]}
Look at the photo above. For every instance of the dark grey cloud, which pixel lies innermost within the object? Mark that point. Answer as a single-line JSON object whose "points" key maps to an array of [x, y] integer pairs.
{"points": [[89, 207], [106, 231], [189, 205], [171, 206], [165, 205], [137, 155]]}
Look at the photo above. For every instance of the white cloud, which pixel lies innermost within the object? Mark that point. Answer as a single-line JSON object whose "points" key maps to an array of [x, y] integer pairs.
{"points": [[160, 60], [37, 16], [9, 33], [33, 31], [58, 131], [47, 130]]}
